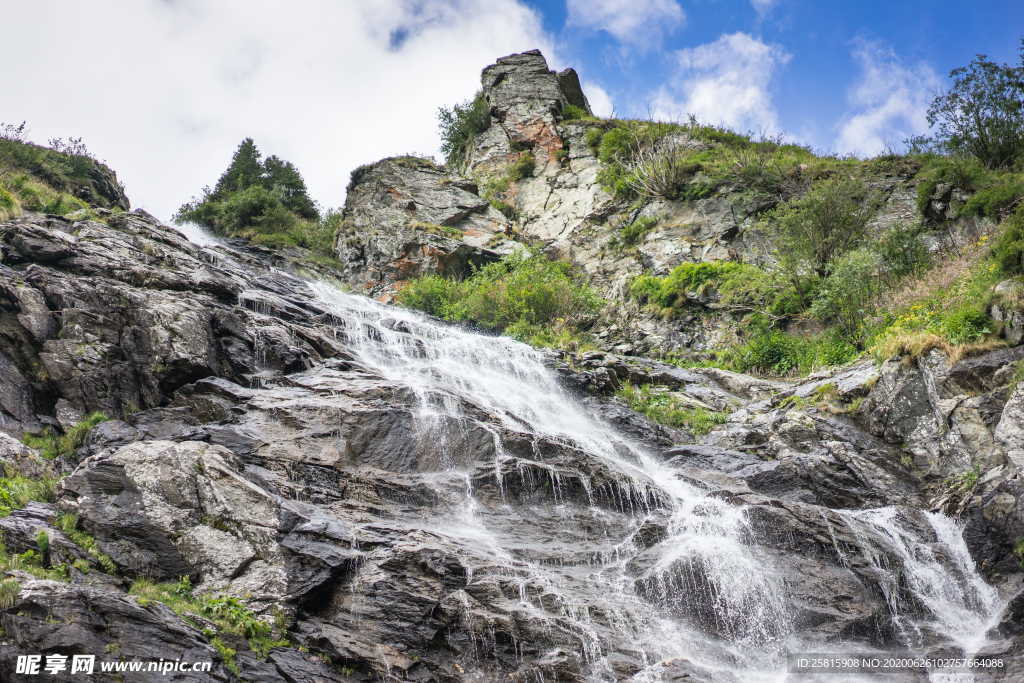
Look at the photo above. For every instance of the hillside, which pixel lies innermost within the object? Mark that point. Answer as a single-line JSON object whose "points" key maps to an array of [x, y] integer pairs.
{"points": [[770, 402]]}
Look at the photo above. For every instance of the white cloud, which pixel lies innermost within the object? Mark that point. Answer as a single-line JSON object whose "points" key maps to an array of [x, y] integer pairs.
{"points": [[164, 91], [763, 7], [638, 23], [889, 102], [725, 82], [599, 99]]}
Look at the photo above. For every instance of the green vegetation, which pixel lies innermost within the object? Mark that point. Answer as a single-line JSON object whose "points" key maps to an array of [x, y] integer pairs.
{"points": [[691, 161], [812, 231], [523, 167], [981, 115], [43, 543], [32, 562], [573, 113], [51, 446], [17, 491], [264, 200], [770, 351], [667, 408], [740, 287], [633, 233], [232, 620], [9, 589], [527, 296], [68, 523], [459, 125], [947, 311], [56, 179]]}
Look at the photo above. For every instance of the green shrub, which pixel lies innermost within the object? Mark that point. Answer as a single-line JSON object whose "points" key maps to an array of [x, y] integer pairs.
{"points": [[230, 617], [9, 590], [740, 286], [902, 251], [571, 112], [666, 408], [996, 201], [812, 231], [846, 297], [9, 204], [52, 446], [966, 325], [431, 294], [634, 232], [964, 173], [773, 352], [68, 524], [43, 544], [16, 491], [981, 114], [1008, 249], [459, 125], [523, 167], [518, 294]]}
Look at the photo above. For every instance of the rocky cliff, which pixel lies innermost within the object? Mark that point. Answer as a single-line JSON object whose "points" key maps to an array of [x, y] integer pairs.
{"points": [[303, 484]]}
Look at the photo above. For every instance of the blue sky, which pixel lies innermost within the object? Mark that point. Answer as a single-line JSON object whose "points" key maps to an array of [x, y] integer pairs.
{"points": [[164, 90], [831, 60]]}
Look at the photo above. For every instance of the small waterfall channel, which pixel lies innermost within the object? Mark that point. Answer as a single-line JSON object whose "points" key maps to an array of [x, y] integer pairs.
{"points": [[625, 556]]}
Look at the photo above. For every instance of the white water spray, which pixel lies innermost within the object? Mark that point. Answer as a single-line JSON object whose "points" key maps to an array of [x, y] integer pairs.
{"points": [[704, 577]]}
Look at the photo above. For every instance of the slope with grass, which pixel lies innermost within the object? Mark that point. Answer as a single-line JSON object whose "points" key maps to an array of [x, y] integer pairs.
{"points": [[57, 179], [714, 248]]}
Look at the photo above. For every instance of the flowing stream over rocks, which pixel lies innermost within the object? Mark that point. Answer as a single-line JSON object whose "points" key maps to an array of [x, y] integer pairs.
{"points": [[573, 532]]}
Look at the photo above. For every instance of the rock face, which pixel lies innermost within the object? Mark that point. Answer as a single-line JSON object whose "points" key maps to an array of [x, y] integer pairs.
{"points": [[406, 217], [560, 206], [405, 500], [526, 100]]}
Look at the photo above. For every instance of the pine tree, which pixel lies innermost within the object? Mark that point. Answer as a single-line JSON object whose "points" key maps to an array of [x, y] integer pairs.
{"points": [[245, 170], [283, 177]]}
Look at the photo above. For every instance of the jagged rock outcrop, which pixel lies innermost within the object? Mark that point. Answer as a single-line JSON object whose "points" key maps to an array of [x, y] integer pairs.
{"points": [[406, 217], [399, 521], [526, 101]]}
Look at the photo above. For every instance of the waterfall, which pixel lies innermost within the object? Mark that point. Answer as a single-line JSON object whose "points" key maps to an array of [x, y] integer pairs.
{"points": [[700, 590]]}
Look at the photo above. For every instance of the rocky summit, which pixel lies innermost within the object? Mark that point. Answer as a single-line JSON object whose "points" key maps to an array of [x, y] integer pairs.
{"points": [[244, 455]]}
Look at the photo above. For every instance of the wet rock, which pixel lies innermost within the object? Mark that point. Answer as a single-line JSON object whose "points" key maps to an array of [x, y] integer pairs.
{"points": [[164, 510], [51, 617]]}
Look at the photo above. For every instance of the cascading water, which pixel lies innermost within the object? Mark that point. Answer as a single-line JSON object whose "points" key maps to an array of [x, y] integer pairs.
{"points": [[700, 591]]}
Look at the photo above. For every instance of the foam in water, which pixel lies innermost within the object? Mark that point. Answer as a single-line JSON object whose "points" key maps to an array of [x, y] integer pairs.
{"points": [[455, 374]]}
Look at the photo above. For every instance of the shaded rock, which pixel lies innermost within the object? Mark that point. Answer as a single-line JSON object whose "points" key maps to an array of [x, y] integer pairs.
{"points": [[406, 217], [51, 617]]}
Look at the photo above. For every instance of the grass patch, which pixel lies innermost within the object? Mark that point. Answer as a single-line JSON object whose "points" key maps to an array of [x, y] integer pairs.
{"points": [[527, 296], [51, 445], [435, 229], [232, 620], [17, 491], [68, 523], [633, 233], [50, 180], [948, 310], [691, 161], [739, 286], [777, 353], [32, 562], [9, 589], [668, 409]]}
